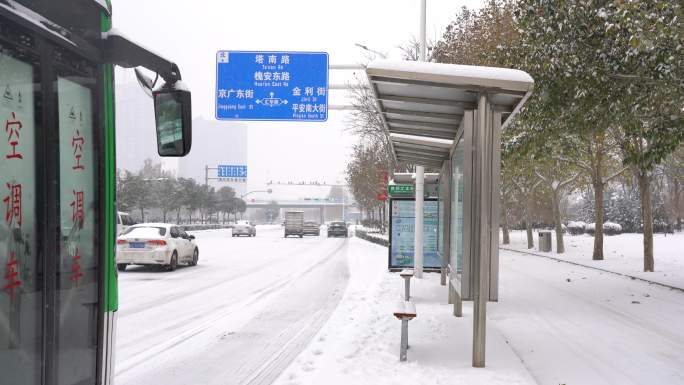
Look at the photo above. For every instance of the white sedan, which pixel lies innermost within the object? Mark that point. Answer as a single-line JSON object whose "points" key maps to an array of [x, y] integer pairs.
{"points": [[244, 228], [158, 244]]}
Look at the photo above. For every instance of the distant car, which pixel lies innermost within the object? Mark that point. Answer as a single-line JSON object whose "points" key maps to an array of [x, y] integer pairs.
{"points": [[337, 229], [244, 228], [162, 244], [123, 222], [312, 228]]}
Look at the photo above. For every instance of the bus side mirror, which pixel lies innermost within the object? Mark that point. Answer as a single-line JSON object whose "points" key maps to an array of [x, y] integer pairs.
{"points": [[173, 119]]}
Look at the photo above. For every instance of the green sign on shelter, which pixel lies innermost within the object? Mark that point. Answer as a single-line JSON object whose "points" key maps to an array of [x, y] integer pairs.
{"points": [[400, 189]]}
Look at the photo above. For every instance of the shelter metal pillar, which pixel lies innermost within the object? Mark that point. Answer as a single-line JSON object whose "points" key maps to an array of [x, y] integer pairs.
{"points": [[485, 224]]}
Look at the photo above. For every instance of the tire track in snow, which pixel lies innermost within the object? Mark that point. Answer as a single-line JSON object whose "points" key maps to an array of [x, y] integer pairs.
{"points": [[222, 280], [259, 296]]}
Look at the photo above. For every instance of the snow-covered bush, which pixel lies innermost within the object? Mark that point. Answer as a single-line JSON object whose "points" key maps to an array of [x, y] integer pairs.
{"points": [[589, 228], [612, 228], [576, 228], [609, 228], [379, 239]]}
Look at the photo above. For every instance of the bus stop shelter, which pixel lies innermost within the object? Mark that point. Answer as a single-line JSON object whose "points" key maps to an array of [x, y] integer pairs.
{"points": [[448, 118]]}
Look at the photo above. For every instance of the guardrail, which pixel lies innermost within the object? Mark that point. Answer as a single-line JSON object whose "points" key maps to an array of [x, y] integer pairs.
{"points": [[212, 226]]}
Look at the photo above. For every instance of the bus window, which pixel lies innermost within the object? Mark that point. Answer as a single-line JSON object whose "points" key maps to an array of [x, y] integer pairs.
{"points": [[77, 272], [21, 290]]}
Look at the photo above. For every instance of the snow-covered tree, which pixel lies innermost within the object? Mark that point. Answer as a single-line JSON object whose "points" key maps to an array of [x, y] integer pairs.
{"points": [[607, 68]]}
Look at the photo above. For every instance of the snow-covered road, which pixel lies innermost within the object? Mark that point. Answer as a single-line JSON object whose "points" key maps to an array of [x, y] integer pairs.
{"points": [[239, 317], [574, 325]]}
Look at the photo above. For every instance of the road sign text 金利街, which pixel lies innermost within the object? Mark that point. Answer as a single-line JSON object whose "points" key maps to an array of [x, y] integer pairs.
{"points": [[283, 86]]}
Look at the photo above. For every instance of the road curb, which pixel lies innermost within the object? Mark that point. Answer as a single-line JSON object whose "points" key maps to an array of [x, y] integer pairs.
{"points": [[596, 268]]}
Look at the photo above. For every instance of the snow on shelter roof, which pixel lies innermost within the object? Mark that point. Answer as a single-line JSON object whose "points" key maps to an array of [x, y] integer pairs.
{"points": [[427, 100]]}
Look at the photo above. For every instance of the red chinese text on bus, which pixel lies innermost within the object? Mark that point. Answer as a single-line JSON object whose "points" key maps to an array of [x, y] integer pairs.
{"points": [[12, 127], [77, 212], [13, 204], [77, 142], [11, 275], [76, 273]]}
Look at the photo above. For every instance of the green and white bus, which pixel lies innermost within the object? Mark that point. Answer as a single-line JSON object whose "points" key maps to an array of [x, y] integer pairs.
{"points": [[58, 282]]}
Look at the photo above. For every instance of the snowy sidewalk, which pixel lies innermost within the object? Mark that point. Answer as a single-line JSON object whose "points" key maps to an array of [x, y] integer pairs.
{"points": [[574, 325], [360, 342], [623, 254]]}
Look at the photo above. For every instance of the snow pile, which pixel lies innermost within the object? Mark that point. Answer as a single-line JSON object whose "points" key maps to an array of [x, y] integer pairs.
{"points": [[360, 342], [623, 253]]}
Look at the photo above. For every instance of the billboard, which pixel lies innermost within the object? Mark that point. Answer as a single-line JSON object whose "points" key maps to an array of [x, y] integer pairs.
{"points": [[402, 234]]}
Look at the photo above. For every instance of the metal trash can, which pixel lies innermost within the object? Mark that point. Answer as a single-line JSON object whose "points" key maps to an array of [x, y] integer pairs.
{"points": [[545, 241]]}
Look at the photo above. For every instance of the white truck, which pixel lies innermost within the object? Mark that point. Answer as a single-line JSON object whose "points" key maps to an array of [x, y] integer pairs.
{"points": [[294, 223]]}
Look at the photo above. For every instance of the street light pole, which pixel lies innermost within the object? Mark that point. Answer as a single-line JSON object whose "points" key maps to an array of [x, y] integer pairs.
{"points": [[365, 48], [420, 171], [269, 191], [423, 42]]}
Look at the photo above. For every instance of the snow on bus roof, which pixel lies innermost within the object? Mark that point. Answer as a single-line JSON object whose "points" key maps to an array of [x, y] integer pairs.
{"points": [[37, 20]]}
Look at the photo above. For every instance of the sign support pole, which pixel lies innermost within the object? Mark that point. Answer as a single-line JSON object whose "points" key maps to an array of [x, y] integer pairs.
{"points": [[418, 244], [420, 171]]}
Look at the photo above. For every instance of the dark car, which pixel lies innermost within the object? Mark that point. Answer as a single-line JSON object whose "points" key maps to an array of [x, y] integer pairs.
{"points": [[337, 229], [312, 228]]}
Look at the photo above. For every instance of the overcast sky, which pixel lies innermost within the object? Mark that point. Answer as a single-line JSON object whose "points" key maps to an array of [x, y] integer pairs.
{"points": [[190, 33]]}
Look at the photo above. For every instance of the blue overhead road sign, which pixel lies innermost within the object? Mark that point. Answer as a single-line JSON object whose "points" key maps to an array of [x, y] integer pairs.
{"points": [[283, 86], [230, 171]]}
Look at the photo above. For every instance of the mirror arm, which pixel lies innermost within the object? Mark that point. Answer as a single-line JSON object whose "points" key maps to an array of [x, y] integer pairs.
{"points": [[125, 53]]}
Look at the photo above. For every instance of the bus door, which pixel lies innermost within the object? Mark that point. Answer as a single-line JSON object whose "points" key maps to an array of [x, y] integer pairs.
{"points": [[58, 289], [50, 221]]}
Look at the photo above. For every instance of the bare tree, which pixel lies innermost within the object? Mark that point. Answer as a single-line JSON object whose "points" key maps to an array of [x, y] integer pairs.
{"points": [[365, 120]]}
